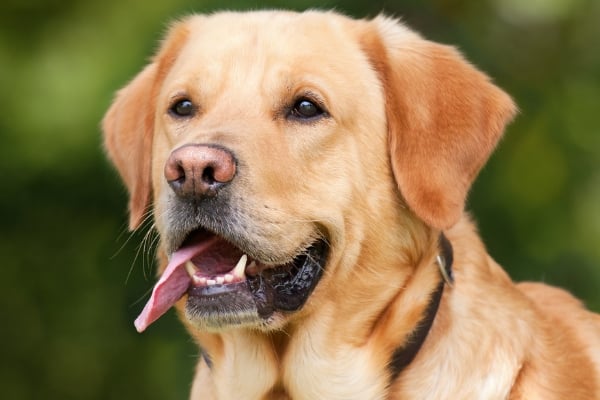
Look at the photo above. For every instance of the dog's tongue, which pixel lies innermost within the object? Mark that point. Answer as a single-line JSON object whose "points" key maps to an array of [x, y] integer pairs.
{"points": [[173, 284]]}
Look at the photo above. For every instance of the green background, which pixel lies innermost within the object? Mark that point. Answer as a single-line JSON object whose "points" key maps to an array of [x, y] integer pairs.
{"points": [[73, 279]]}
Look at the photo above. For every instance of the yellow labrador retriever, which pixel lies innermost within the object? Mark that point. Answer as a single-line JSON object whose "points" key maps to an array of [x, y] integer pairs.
{"points": [[307, 174]]}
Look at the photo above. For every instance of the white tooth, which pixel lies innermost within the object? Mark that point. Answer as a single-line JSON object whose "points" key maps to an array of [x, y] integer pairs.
{"points": [[197, 280], [202, 281], [228, 278], [211, 282], [191, 270], [220, 280], [240, 267]]}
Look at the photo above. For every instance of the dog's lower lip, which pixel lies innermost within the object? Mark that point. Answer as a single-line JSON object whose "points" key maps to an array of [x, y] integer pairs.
{"points": [[213, 290]]}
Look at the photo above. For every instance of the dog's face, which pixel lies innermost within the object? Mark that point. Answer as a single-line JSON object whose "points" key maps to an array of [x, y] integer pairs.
{"points": [[276, 148], [272, 119]]}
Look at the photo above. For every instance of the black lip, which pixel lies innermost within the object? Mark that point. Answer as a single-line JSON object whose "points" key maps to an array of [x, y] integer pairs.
{"points": [[284, 288], [290, 291]]}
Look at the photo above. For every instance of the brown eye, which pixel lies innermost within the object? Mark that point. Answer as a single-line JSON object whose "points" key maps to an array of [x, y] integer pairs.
{"points": [[183, 108], [306, 109]]}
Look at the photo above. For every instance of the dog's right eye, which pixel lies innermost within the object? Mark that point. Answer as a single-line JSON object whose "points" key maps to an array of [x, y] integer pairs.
{"points": [[183, 108]]}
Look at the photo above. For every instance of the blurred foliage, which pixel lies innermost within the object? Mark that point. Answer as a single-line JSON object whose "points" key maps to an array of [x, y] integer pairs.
{"points": [[70, 288]]}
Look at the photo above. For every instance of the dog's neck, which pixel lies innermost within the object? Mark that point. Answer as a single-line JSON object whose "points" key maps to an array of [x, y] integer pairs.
{"points": [[404, 355]]}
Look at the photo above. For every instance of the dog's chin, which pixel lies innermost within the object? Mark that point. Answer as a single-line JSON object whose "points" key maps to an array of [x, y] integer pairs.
{"points": [[228, 289]]}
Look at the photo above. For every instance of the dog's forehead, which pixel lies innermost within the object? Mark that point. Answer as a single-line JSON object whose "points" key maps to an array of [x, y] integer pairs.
{"points": [[280, 30], [246, 45]]}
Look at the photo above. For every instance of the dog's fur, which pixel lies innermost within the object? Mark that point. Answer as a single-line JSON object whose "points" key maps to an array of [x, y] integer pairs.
{"points": [[409, 124]]}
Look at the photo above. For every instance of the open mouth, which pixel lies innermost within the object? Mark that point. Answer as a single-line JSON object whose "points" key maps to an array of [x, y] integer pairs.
{"points": [[225, 287]]}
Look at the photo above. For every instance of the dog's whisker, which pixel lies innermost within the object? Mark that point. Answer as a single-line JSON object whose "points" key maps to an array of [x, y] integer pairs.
{"points": [[147, 247], [141, 298], [124, 231], [146, 218], [149, 227]]}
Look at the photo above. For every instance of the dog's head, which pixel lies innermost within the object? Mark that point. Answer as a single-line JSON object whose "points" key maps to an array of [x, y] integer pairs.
{"points": [[275, 147]]}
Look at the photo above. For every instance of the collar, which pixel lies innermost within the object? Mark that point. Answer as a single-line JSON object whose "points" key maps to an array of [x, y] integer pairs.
{"points": [[404, 355]]}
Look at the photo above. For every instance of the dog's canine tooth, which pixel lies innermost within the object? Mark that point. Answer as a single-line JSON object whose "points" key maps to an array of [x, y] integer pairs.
{"points": [[238, 270], [191, 269]]}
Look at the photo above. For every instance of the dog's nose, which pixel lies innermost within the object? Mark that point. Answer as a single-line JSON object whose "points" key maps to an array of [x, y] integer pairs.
{"points": [[199, 170]]}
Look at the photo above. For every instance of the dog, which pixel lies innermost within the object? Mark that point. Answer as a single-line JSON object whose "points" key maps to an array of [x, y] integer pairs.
{"points": [[307, 175]]}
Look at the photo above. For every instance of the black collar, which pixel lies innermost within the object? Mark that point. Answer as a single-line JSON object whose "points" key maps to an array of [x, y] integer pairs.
{"points": [[404, 355]]}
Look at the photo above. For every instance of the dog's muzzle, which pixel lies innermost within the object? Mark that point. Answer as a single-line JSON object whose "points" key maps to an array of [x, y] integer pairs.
{"points": [[227, 281]]}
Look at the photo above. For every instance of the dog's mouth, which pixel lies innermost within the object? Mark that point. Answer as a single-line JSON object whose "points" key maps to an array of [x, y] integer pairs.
{"points": [[225, 287]]}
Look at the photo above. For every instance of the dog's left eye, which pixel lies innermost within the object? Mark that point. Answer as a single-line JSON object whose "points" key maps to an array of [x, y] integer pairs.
{"points": [[306, 109]]}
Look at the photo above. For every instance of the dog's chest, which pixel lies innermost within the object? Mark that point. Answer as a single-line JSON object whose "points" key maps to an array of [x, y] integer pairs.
{"points": [[313, 372]]}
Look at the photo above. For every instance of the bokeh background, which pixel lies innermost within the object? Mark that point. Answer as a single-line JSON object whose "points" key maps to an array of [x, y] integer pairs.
{"points": [[72, 278]]}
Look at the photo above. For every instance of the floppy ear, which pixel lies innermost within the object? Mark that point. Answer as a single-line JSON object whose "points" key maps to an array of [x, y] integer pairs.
{"points": [[444, 119], [128, 127]]}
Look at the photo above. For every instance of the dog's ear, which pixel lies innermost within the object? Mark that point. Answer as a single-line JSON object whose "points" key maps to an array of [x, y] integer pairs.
{"points": [[129, 125], [444, 119], [128, 128]]}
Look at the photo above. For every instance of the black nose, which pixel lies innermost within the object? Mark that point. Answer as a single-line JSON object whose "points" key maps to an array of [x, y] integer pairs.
{"points": [[199, 170]]}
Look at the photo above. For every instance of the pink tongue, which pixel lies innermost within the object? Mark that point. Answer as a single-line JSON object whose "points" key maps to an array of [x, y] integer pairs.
{"points": [[173, 284]]}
